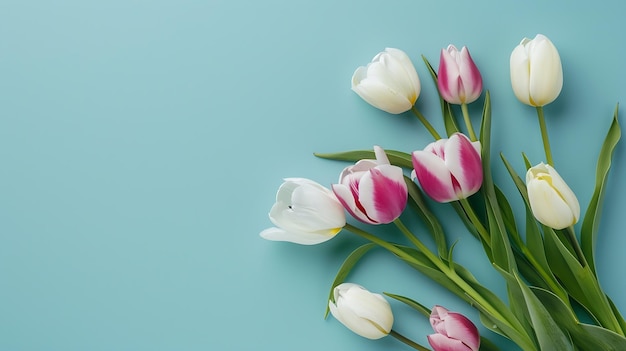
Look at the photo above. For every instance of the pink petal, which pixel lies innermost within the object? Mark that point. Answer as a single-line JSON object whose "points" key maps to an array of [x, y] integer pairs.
{"points": [[464, 164], [470, 75], [434, 176], [442, 343], [448, 78], [461, 328], [383, 193]]}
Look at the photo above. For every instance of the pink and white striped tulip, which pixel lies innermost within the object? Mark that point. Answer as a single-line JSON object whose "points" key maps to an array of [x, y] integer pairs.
{"points": [[458, 78], [373, 191], [449, 169], [453, 331]]}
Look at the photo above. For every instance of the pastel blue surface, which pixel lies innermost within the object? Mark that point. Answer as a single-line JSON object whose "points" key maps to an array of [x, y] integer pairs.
{"points": [[142, 143]]}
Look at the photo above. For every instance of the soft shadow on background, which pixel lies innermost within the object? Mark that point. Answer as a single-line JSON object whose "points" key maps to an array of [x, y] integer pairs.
{"points": [[142, 143]]}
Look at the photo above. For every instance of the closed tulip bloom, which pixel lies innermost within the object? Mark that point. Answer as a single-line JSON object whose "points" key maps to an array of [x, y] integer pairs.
{"points": [[458, 78], [449, 169], [552, 202], [373, 191], [305, 213], [367, 314], [453, 331], [389, 82], [536, 72]]}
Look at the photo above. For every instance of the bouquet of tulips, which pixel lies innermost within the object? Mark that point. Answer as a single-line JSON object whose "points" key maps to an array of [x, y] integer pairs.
{"points": [[548, 268]]}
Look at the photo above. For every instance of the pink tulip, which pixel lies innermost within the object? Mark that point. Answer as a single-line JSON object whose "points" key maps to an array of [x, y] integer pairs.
{"points": [[373, 191], [449, 169], [453, 331], [458, 80]]}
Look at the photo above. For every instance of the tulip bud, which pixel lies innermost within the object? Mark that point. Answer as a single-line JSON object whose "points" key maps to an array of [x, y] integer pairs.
{"points": [[389, 82], [305, 213], [453, 331], [367, 314], [458, 78], [552, 202], [373, 191], [536, 72], [449, 169]]}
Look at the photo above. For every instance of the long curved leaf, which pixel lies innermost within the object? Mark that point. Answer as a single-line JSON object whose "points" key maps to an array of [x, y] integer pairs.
{"points": [[398, 158], [589, 229]]}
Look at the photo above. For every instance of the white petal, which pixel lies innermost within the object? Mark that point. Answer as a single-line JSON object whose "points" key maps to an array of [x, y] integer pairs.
{"points": [[382, 96], [565, 191], [520, 74], [277, 234], [546, 73]]}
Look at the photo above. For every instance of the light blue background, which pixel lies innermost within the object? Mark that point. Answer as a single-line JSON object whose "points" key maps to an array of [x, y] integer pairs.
{"points": [[142, 143]]}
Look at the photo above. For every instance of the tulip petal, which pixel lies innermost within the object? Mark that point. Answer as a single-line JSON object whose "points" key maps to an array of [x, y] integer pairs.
{"points": [[459, 327], [520, 74], [546, 73], [316, 210], [347, 199], [442, 343], [566, 193], [381, 96], [409, 69], [548, 206], [383, 193], [464, 164], [302, 238], [433, 176], [448, 78], [470, 77]]}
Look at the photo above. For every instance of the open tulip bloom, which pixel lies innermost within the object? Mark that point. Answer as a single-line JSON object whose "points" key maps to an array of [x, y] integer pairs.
{"points": [[449, 169], [547, 268], [304, 213], [373, 191]]}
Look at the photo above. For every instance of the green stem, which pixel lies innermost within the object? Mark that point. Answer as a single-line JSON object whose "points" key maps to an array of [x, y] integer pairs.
{"points": [[468, 122], [425, 122], [480, 228], [407, 341], [544, 136]]}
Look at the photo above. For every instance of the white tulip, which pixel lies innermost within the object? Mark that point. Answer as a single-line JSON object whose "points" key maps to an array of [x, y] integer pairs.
{"points": [[367, 314], [552, 202], [536, 72], [389, 82], [305, 213]]}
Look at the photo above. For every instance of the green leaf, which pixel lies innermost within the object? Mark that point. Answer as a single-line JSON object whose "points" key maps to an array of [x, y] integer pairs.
{"points": [[346, 268], [580, 281], [398, 158], [411, 303], [431, 221], [547, 331], [585, 337], [589, 229]]}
